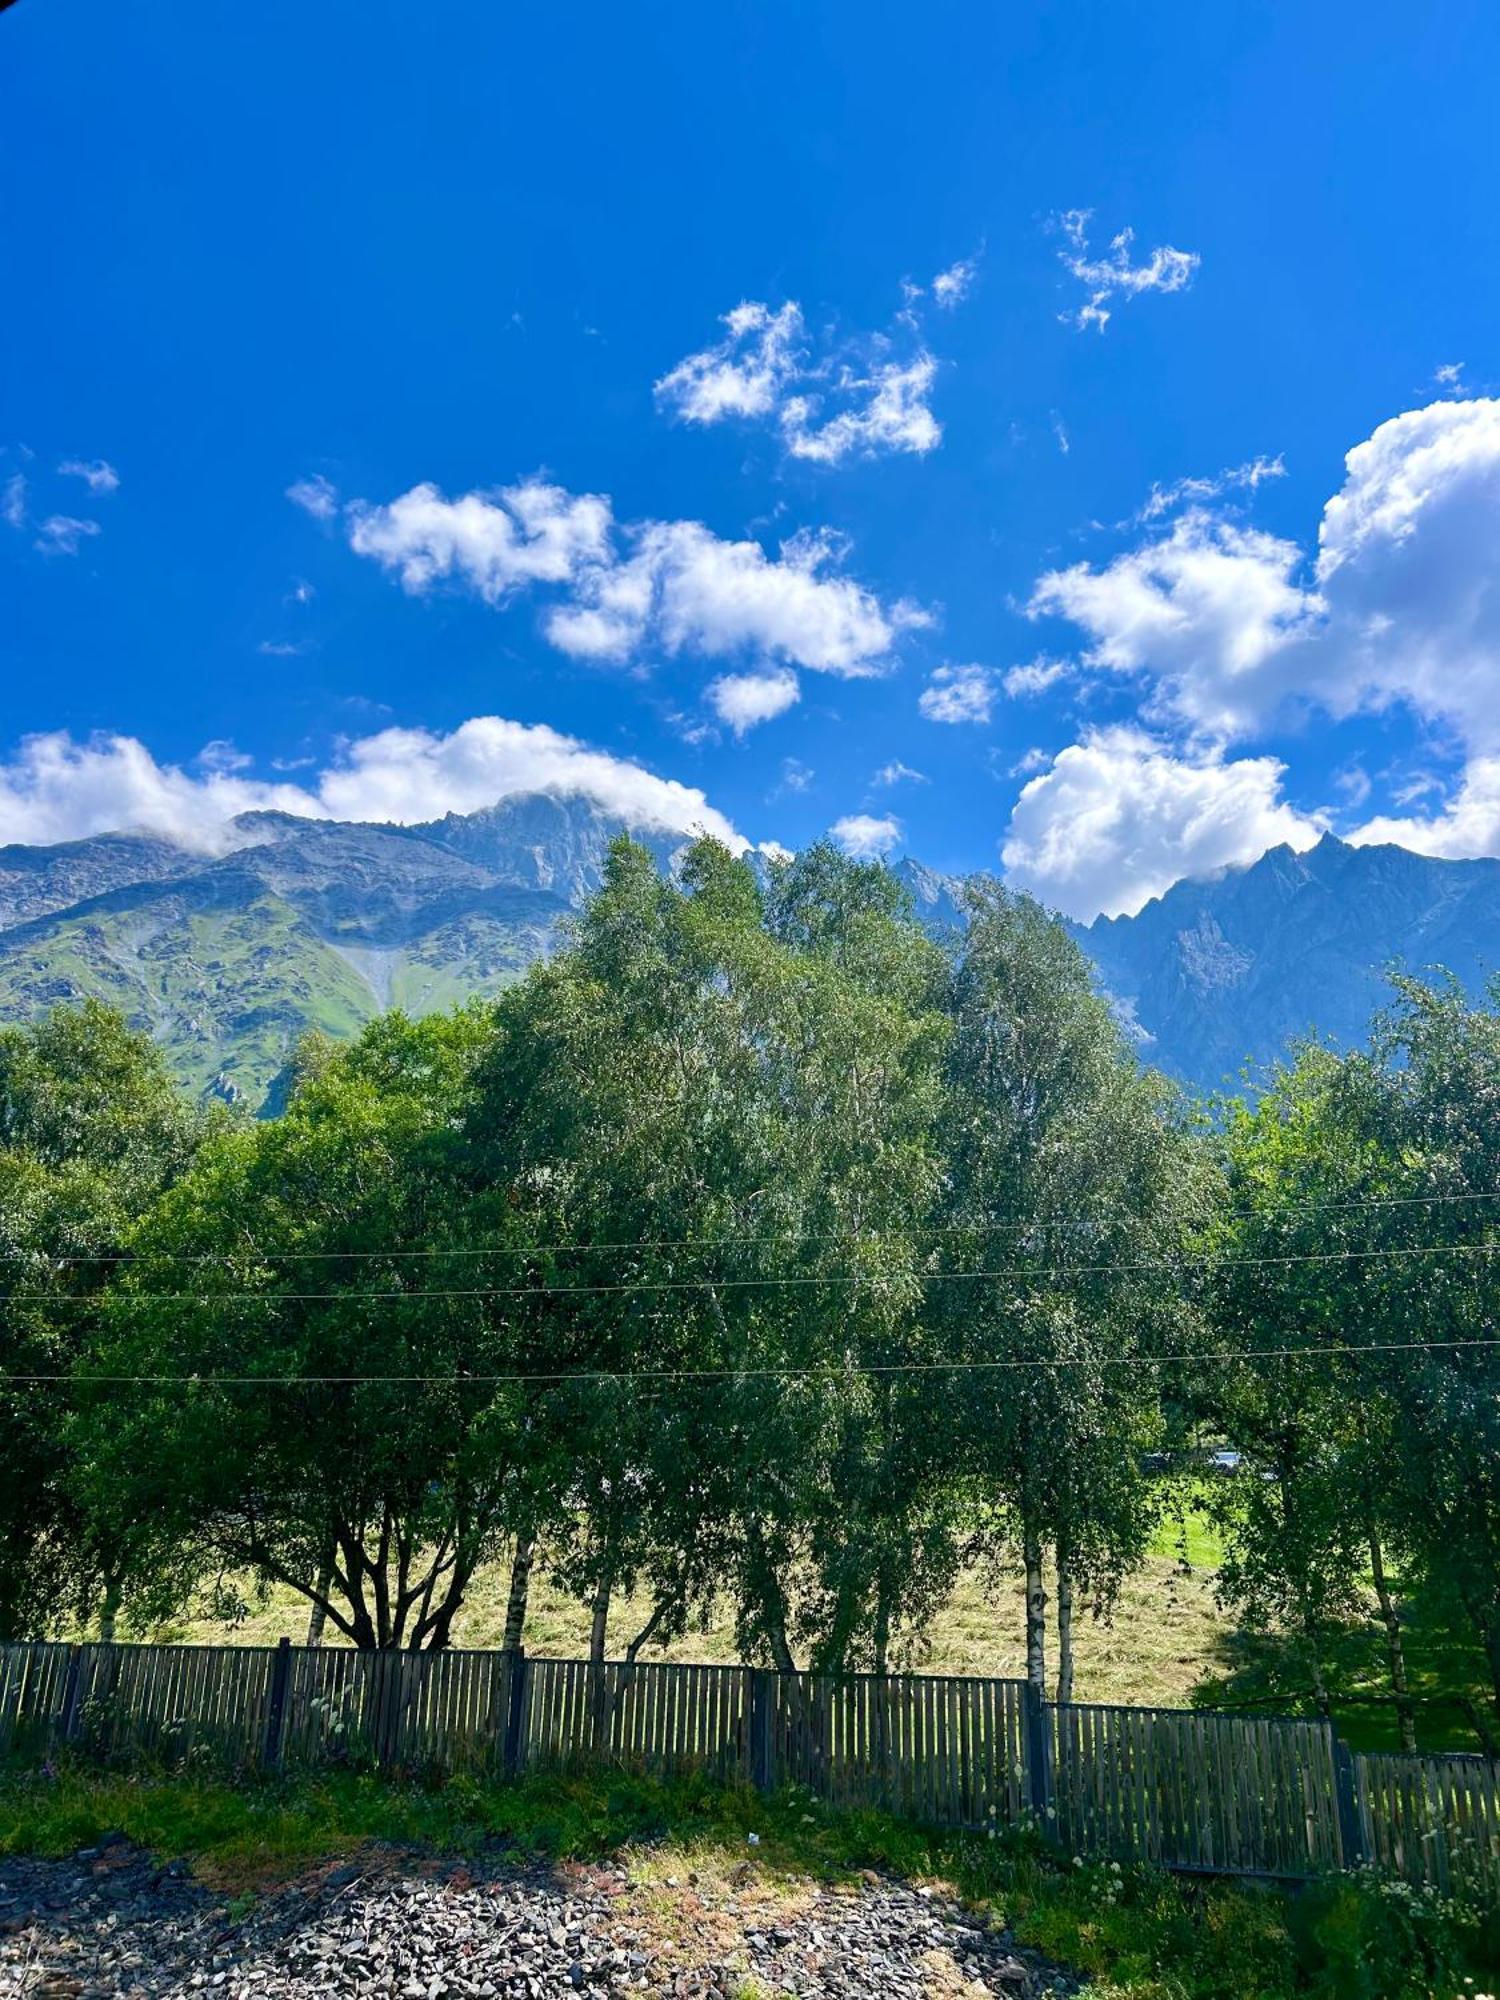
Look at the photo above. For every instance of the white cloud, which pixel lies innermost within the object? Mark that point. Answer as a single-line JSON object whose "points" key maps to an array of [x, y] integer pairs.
{"points": [[951, 287], [1120, 816], [316, 496], [676, 587], [495, 542], [282, 649], [1212, 612], [1403, 604], [63, 534], [1035, 676], [1409, 571], [1450, 376], [744, 700], [13, 501], [96, 473], [1060, 432], [795, 775], [55, 788], [301, 592], [1244, 478], [742, 375], [1029, 762], [830, 400], [1467, 825], [958, 694], [866, 837], [1164, 270], [685, 590], [897, 773], [889, 413]]}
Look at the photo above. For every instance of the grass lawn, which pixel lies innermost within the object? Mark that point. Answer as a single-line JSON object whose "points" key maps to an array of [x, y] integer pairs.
{"points": [[1164, 1637], [1139, 1934], [1168, 1644]]}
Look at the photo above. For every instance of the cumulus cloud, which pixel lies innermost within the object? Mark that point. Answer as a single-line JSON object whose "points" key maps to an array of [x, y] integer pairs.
{"points": [[865, 836], [1212, 612], [1402, 604], [495, 542], [96, 473], [1466, 825], [743, 700], [56, 788], [958, 694], [64, 534], [671, 585], [1114, 275], [897, 773], [1120, 816], [831, 399], [316, 496]]}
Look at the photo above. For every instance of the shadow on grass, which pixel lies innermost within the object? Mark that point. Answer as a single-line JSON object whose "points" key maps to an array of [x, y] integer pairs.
{"points": [[1267, 1671]]}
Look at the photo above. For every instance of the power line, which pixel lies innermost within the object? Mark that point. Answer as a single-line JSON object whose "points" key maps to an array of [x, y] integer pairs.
{"points": [[831, 1371], [977, 1228], [1033, 1271]]}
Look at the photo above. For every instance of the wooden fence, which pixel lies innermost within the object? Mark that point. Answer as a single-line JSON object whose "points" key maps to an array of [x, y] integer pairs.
{"points": [[1223, 1794]]}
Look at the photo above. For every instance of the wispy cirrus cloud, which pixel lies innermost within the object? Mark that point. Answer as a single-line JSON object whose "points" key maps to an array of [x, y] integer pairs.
{"points": [[1113, 275], [64, 534], [96, 473], [830, 397], [1246, 478], [316, 496]]}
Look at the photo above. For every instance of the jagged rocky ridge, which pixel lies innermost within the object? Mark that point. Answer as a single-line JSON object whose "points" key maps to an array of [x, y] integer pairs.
{"points": [[317, 924]]}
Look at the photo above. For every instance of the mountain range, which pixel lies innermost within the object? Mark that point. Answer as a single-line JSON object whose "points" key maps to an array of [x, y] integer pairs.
{"points": [[304, 924]]}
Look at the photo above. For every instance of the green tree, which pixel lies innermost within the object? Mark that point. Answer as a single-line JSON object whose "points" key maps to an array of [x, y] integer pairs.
{"points": [[316, 1401], [91, 1129], [1073, 1183]]}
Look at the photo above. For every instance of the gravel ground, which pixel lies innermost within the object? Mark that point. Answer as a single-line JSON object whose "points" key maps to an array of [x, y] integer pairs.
{"points": [[109, 1921]]}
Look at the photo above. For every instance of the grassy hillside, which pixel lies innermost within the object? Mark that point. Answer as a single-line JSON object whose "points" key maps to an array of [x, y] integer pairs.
{"points": [[224, 991]]}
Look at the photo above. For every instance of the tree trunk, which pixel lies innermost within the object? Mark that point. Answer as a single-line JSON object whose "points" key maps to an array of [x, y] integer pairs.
{"points": [[109, 1611], [520, 1590], [317, 1618], [1036, 1612], [882, 1628], [1064, 1628], [599, 1621], [1395, 1650]]}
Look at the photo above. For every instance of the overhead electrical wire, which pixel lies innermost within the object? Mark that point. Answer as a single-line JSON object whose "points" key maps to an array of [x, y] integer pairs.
{"points": [[1186, 1261], [831, 1371], [976, 1228]]}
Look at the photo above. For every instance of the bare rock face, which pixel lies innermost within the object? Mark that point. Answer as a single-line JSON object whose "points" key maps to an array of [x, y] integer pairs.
{"points": [[110, 1922]]}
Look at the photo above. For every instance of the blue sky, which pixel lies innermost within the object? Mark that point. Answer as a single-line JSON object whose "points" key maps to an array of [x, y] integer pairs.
{"points": [[456, 278]]}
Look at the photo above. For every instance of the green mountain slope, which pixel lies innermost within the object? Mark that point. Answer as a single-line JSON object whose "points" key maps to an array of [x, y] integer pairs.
{"points": [[303, 924]]}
